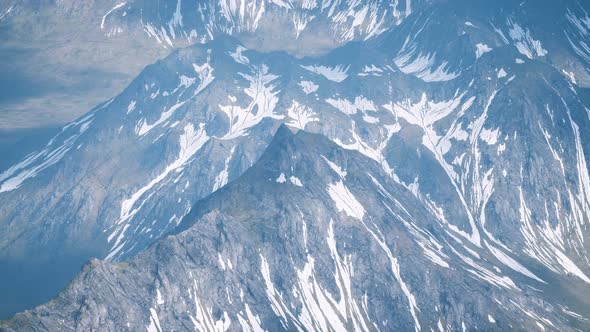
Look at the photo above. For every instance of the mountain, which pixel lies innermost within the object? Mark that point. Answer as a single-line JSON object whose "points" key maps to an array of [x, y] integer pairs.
{"points": [[312, 27], [62, 58], [480, 112], [308, 238], [47, 63]]}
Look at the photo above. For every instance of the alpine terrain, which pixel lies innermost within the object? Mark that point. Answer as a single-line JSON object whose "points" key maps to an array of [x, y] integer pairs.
{"points": [[310, 165]]}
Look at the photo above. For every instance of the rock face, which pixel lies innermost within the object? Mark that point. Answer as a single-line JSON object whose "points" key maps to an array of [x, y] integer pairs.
{"points": [[308, 238], [474, 136]]}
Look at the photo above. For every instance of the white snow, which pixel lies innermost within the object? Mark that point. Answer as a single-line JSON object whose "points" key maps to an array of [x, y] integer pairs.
{"points": [[176, 20], [5, 14], [536, 250], [432, 248], [570, 75], [238, 55], [578, 33], [360, 103], [345, 200], [300, 21], [396, 269], [524, 41], [203, 317], [36, 162], [185, 82], [308, 87], [545, 242], [335, 74], [319, 311], [205, 75], [281, 178], [360, 145], [481, 49], [300, 115], [159, 299], [484, 274], [308, 4], [489, 136], [343, 105], [102, 22], [371, 71], [336, 168], [294, 180], [144, 128], [512, 263], [277, 305], [222, 177], [190, 142], [423, 66], [425, 113], [248, 15], [251, 323], [263, 100], [220, 261], [154, 322], [131, 106], [370, 119]]}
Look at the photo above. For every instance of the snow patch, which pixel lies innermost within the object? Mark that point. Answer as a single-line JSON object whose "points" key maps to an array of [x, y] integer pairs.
{"points": [[360, 103], [335, 168], [481, 49], [294, 180], [423, 66], [524, 41], [281, 178], [131, 106], [490, 136], [300, 115], [238, 55], [222, 177], [335, 74], [345, 200], [103, 21], [263, 100], [308, 87]]}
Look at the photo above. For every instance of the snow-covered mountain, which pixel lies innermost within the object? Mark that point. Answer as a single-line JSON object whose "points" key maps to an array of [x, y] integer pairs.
{"points": [[313, 237], [470, 126], [309, 26]]}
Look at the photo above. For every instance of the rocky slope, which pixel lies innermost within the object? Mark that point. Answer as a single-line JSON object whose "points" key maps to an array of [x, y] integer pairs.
{"points": [[467, 108], [312, 237]]}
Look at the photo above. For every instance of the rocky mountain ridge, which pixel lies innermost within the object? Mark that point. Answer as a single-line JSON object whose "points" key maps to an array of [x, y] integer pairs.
{"points": [[470, 114]]}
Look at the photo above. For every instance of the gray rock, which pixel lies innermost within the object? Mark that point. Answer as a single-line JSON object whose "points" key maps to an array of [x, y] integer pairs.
{"points": [[294, 244], [491, 144]]}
